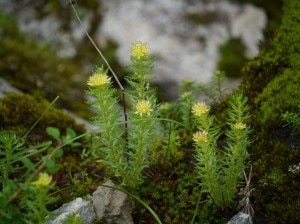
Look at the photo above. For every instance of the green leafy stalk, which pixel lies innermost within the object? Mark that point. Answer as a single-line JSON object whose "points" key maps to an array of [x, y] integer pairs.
{"points": [[234, 162], [107, 117], [220, 173], [141, 137], [206, 152]]}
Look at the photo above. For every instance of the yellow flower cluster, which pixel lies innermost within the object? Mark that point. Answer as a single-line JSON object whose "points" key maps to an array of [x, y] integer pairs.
{"points": [[140, 50], [199, 109], [200, 136], [43, 180], [240, 126], [99, 78], [143, 107]]}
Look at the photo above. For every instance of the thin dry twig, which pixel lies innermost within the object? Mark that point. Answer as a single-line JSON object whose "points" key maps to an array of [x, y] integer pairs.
{"points": [[245, 203]]}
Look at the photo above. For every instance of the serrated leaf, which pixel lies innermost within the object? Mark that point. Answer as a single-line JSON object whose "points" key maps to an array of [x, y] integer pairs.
{"points": [[27, 163], [53, 132]]}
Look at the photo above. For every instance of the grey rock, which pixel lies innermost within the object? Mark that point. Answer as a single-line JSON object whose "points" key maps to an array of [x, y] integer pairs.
{"points": [[184, 50], [113, 206], [78, 206], [248, 25], [241, 218], [5, 87]]}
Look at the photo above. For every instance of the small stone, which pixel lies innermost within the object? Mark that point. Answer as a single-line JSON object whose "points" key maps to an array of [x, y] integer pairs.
{"points": [[241, 218], [115, 207], [78, 206]]}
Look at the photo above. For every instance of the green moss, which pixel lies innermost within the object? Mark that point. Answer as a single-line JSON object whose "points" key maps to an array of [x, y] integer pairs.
{"points": [[282, 94], [279, 52], [19, 112], [173, 194], [232, 57], [271, 82]]}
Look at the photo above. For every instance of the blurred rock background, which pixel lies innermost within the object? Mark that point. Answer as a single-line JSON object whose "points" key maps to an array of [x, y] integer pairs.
{"points": [[190, 39]]}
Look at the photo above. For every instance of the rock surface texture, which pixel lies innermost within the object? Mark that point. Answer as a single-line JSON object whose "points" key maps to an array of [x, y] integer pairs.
{"points": [[5, 87], [240, 218], [78, 206], [184, 49], [115, 207]]}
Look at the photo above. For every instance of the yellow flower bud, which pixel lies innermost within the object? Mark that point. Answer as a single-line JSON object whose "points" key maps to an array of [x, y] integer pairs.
{"points": [[200, 136], [43, 180], [143, 107], [239, 126], [140, 50], [99, 78], [186, 94], [199, 109]]}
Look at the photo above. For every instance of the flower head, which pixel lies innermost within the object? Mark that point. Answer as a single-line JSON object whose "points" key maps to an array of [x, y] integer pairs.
{"points": [[186, 95], [199, 109], [239, 126], [140, 50], [43, 180], [143, 107], [200, 136], [99, 78]]}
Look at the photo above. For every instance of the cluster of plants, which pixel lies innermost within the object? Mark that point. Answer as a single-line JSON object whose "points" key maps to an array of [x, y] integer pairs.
{"points": [[26, 170], [182, 161], [145, 137]]}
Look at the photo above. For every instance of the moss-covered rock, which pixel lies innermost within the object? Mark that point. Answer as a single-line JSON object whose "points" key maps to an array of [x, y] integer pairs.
{"points": [[19, 112], [271, 82], [282, 94]]}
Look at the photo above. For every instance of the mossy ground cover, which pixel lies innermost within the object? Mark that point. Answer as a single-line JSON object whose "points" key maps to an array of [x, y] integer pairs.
{"points": [[272, 84]]}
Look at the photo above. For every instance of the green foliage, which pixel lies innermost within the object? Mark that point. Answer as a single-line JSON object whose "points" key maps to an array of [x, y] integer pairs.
{"points": [[220, 174], [34, 200], [14, 153], [232, 57], [126, 146], [20, 164]]}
